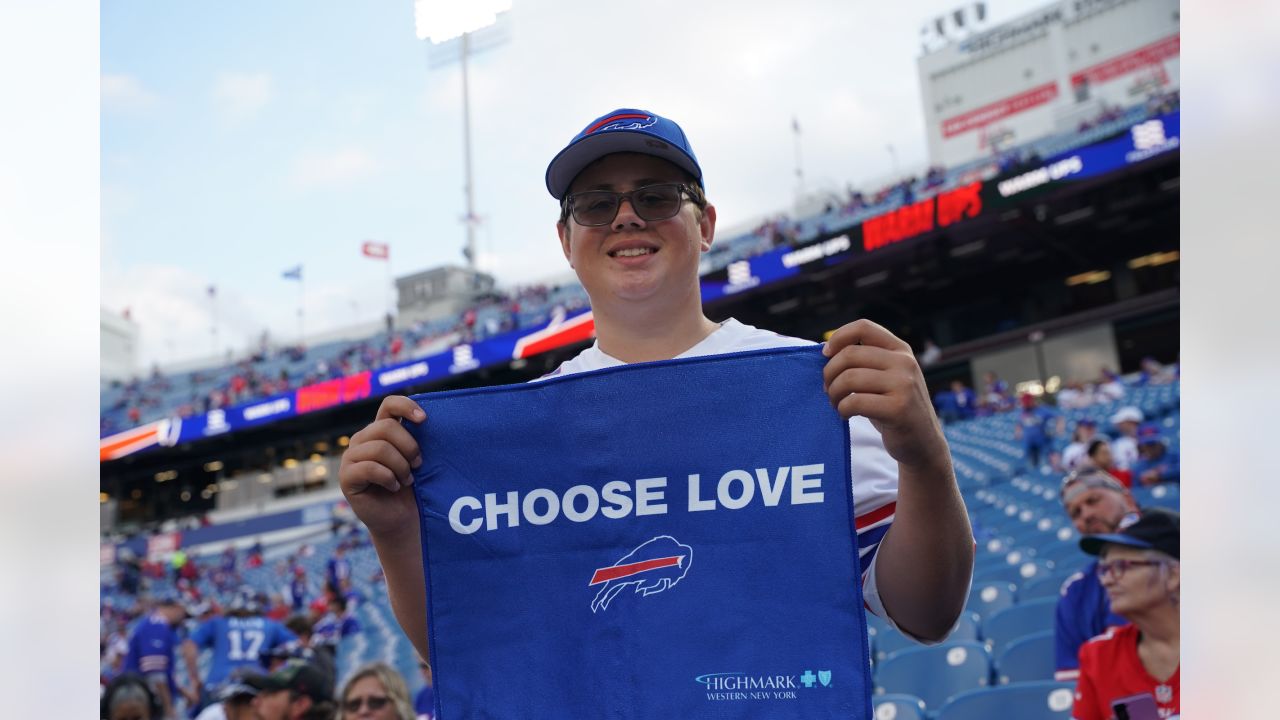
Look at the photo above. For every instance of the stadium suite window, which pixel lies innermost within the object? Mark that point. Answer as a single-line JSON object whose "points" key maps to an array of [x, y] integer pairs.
{"points": [[1091, 295], [1155, 278]]}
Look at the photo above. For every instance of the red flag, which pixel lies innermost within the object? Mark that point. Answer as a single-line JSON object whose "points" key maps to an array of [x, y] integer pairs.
{"points": [[376, 250]]}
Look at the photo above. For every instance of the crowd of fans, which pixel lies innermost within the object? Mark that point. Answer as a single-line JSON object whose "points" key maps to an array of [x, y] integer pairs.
{"points": [[1136, 452], [156, 621], [265, 372], [1116, 630]]}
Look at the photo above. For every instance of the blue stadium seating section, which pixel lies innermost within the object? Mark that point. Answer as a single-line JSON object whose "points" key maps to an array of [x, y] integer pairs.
{"points": [[1018, 621], [1024, 701], [936, 673], [1026, 659], [899, 707]]}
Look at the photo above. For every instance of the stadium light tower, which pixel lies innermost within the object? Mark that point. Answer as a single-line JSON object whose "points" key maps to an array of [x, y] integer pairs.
{"points": [[446, 23]]}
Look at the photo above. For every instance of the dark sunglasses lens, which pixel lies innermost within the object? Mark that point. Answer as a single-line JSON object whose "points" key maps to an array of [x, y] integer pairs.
{"points": [[595, 208], [374, 703], [657, 202]]}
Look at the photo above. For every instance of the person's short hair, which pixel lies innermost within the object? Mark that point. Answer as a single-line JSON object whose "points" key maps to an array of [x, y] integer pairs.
{"points": [[130, 686], [1095, 444], [300, 677], [392, 682], [298, 624], [1086, 478]]}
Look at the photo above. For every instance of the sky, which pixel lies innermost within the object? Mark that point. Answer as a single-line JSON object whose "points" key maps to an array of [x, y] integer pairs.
{"points": [[240, 139]]}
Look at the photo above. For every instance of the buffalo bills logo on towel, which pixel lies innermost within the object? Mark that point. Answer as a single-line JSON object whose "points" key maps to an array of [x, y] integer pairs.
{"points": [[623, 121], [655, 566]]}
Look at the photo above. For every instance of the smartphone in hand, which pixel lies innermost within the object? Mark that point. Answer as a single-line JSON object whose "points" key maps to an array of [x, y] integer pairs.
{"points": [[1136, 707]]}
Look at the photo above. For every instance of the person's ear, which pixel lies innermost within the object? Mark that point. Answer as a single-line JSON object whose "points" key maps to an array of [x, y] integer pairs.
{"points": [[562, 229], [1174, 582], [707, 227]]}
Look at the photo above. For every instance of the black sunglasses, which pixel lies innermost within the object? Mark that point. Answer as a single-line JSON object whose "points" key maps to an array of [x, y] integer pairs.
{"points": [[594, 208], [375, 702]]}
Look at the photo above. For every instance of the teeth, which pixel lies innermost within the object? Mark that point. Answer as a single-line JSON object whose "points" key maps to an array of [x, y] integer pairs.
{"points": [[632, 252]]}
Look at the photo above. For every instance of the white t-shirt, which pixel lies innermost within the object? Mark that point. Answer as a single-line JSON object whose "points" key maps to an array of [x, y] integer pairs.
{"points": [[1124, 450], [1074, 456], [213, 712], [874, 472]]}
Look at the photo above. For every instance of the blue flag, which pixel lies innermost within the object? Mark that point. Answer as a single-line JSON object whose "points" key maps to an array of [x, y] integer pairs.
{"points": [[660, 540], [293, 273]]}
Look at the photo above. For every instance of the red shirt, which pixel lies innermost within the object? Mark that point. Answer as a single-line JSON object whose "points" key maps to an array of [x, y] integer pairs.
{"points": [[1110, 669], [1124, 476]]}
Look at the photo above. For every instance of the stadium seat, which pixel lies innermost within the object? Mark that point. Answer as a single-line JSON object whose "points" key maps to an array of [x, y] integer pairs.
{"points": [[936, 673], [1064, 556], [1003, 573], [1028, 658], [988, 598], [877, 632], [1048, 586], [1023, 701], [1025, 618], [889, 641], [898, 707], [968, 627]]}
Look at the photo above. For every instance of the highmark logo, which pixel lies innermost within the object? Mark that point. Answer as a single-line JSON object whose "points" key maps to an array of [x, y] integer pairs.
{"points": [[737, 686]]}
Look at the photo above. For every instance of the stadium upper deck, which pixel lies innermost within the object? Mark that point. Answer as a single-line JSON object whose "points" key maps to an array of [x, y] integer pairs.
{"points": [[270, 375]]}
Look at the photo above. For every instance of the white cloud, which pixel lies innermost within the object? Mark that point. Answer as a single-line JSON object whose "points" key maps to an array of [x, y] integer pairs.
{"points": [[125, 93], [170, 306], [521, 267], [336, 167], [175, 315], [239, 96]]}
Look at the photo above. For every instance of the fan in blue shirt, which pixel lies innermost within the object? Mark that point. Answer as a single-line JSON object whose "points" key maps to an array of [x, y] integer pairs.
{"points": [[338, 571], [1156, 463], [1035, 428], [240, 639], [151, 645], [335, 624], [1097, 504]]}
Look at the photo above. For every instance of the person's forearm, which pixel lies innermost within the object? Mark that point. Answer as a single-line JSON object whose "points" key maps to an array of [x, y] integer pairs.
{"points": [[925, 561], [401, 558], [191, 658], [160, 686]]}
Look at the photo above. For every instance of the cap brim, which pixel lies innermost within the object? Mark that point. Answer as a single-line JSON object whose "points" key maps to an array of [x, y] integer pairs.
{"points": [[236, 689], [575, 158], [1093, 544]]}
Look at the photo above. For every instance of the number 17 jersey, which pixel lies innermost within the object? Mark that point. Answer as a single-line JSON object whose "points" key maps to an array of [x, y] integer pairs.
{"points": [[238, 642]]}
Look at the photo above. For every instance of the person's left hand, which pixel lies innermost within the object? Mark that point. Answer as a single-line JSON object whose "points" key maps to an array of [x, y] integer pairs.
{"points": [[1151, 477], [873, 373]]}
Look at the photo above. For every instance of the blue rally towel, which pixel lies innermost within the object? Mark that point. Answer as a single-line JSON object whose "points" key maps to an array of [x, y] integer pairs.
{"points": [[660, 540]]}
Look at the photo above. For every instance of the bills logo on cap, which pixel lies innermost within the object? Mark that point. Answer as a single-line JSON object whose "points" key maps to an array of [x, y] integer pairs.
{"points": [[622, 121], [655, 566]]}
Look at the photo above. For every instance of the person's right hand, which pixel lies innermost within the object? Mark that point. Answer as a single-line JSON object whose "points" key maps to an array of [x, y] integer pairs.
{"points": [[376, 471]]}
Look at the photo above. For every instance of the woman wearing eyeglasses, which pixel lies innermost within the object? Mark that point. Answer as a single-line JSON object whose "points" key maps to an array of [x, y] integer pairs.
{"points": [[1135, 665], [375, 691]]}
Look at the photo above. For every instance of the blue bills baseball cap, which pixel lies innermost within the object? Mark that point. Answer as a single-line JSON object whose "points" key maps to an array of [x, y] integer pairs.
{"points": [[623, 130]]}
